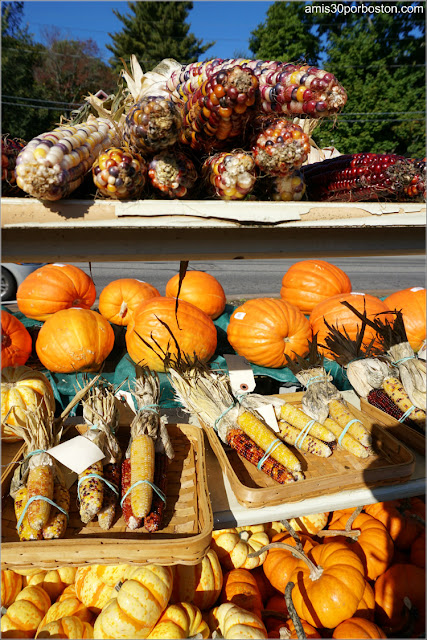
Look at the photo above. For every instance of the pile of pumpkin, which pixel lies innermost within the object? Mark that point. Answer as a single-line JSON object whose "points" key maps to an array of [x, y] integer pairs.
{"points": [[264, 330], [285, 579]]}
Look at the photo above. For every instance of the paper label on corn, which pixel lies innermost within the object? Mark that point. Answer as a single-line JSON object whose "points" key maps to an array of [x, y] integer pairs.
{"points": [[357, 293], [77, 454], [241, 375], [417, 289], [267, 412], [239, 315]]}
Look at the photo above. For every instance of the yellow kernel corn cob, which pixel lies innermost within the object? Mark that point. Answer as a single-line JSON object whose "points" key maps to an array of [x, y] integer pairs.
{"points": [[54, 164], [339, 412], [142, 468], [39, 483], [264, 437], [348, 442], [25, 531], [91, 493], [57, 523], [297, 418], [309, 444], [396, 392]]}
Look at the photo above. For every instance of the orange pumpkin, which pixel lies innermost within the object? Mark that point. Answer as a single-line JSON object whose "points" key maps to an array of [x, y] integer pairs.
{"points": [[16, 343], [337, 314], [265, 587], [201, 289], [192, 329], [25, 614], [240, 588], [74, 340], [54, 287], [308, 282], [418, 551], [402, 529], [265, 331], [400, 581], [358, 628], [200, 584], [412, 303], [366, 607], [280, 563], [120, 299], [11, 585], [374, 545]]}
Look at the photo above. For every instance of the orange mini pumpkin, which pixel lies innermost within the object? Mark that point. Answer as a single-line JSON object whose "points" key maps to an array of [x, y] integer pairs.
{"points": [[16, 343], [120, 299], [280, 563], [54, 287], [402, 528], [412, 303], [240, 588], [308, 282], [74, 340], [201, 289], [366, 607], [398, 585], [358, 628], [191, 328], [265, 331]]}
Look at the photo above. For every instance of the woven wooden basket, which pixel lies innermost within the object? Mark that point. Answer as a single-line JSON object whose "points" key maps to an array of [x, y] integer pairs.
{"points": [[399, 430], [392, 463], [184, 539]]}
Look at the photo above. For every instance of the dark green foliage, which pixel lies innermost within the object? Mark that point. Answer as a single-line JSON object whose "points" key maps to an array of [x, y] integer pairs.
{"points": [[153, 31]]}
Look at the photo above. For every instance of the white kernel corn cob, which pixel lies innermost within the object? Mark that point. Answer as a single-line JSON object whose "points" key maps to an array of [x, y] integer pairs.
{"points": [[339, 412], [306, 443], [298, 419], [54, 164], [347, 442], [142, 468]]}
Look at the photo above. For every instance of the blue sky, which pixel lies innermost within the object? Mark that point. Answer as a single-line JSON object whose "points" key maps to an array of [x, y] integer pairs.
{"points": [[227, 22]]}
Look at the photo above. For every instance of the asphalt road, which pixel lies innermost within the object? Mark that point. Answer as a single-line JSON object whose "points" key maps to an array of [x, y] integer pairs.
{"points": [[379, 275]]}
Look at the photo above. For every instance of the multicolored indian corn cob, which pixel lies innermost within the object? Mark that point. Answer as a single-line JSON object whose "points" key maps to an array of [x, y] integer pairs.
{"points": [[152, 124], [10, 148], [141, 469], [245, 447], [132, 522], [264, 437], [378, 398], [348, 443], [280, 147], [54, 164], [119, 173], [40, 483], [339, 412], [231, 175], [106, 514], [172, 173], [57, 523], [365, 176], [25, 532], [218, 112], [307, 443], [298, 419], [287, 188], [395, 390], [153, 521], [91, 492]]}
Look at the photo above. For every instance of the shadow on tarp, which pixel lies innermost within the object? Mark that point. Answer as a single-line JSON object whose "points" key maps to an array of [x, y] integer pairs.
{"points": [[119, 367]]}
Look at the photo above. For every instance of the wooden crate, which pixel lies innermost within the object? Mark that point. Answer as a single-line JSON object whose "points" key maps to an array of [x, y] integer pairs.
{"points": [[184, 539], [399, 430], [392, 463]]}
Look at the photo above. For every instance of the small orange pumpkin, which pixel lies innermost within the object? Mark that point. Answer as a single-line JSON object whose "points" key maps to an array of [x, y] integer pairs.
{"points": [[16, 343], [74, 340], [358, 628], [201, 289], [366, 607], [308, 282], [402, 529], [265, 331], [400, 581], [412, 303], [280, 563], [418, 551], [240, 588], [52, 288], [120, 299]]}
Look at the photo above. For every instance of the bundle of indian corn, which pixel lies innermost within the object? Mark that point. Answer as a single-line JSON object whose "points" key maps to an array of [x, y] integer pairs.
{"points": [[99, 484], [144, 468]]}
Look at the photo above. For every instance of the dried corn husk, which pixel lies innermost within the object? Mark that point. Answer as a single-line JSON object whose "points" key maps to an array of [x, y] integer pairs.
{"points": [[367, 374], [412, 372]]}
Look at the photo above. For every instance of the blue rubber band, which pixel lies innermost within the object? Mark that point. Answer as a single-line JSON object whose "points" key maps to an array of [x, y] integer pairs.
{"points": [[313, 379], [150, 407], [112, 486], [403, 360], [346, 428], [224, 413], [34, 453], [407, 413], [159, 492], [268, 452], [304, 433], [51, 502]]}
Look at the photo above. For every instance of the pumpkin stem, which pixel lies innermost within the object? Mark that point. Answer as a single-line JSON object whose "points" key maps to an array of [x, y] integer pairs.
{"points": [[325, 533], [293, 533], [5, 341], [123, 309], [412, 614], [292, 612], [244, 535], [353, 517], [315, 571]]}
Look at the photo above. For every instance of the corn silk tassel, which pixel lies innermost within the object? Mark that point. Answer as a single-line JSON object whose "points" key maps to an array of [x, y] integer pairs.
{"points": [[172, 173], [230, 175], [10, 148]]}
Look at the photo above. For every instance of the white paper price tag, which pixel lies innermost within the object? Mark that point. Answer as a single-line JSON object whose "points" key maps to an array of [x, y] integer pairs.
{"points": [[267, 412], [77, 454], [241, 375], [127, 399]]}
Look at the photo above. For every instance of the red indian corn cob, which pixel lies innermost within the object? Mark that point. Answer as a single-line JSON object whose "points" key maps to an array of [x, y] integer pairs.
{"points": [[281, 147], [172, 173], [130, 520], [378, 398], [152, 124], [247, 448], [231, 175], [365, 176], [153, 521], [119, 173], [10, 148], [106, 514]]}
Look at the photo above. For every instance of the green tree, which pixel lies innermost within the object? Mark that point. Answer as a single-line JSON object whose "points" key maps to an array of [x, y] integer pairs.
{"points": [[379, 57], [153, 31]]}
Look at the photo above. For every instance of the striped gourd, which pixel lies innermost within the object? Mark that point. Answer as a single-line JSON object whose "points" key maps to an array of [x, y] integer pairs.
{"points": [[339, 412], [54, 164], [299, 419]]}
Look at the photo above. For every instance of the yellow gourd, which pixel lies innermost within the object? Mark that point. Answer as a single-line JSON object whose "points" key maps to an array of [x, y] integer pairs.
{"points": [[233, 546], [25, 614], [200, 584], [181, 620]]}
